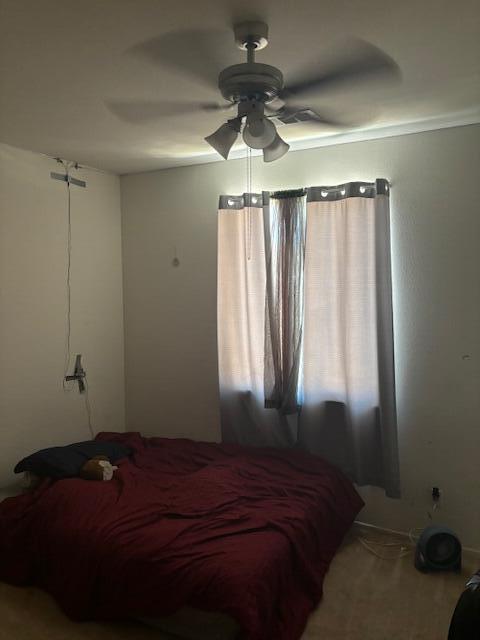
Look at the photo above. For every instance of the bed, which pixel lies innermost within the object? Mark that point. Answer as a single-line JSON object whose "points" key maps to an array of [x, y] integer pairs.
{"points": [[248, 533]]}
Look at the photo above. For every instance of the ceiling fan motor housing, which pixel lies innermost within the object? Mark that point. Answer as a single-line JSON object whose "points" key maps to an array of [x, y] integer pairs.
{"points": [[250, 81], [251, 33]]}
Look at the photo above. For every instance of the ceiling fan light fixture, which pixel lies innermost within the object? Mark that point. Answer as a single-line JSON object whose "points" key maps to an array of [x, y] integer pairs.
{"points": [[223, 139], [259, 133], [275, 150]]}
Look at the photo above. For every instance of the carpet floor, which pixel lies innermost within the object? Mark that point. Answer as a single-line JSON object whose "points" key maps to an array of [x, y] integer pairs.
{"points": [[365, 598]]}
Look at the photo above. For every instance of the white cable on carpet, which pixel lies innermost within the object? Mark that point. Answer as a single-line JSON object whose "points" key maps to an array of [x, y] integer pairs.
{"points": [[370, 544]]}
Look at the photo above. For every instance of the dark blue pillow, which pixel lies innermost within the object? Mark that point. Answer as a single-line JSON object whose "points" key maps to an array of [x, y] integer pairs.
{"points": [[66, 462]]}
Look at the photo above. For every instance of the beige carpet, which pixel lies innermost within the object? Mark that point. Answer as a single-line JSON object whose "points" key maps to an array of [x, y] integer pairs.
{"points": [[366, 598]]}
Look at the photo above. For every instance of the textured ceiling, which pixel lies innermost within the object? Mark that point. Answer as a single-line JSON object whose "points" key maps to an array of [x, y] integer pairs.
{"points": [[61, 61]]}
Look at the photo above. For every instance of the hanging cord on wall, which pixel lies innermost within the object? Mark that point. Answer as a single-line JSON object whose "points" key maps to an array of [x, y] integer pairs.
{"points": [[66, 386], [248, 219], [69, 387], [88, 407]]}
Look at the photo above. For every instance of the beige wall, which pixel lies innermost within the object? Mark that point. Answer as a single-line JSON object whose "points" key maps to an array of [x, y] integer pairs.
{"points": [[35, 412], [171, 312]]}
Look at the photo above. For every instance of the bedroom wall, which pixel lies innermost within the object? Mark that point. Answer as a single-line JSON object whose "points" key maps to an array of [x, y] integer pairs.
{"points": [[35, 412], [170, 313]]}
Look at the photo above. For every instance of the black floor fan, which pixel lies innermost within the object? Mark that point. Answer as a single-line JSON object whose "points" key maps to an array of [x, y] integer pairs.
{"points": [[438, 549]]}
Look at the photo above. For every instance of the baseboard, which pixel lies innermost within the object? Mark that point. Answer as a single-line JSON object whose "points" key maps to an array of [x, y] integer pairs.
{"points": [[403, 534]]}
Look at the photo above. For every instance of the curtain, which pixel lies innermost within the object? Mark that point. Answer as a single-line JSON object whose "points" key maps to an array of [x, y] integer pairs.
{"points": [[241, 296], [284, 223], [345, 377], [348, 412]]}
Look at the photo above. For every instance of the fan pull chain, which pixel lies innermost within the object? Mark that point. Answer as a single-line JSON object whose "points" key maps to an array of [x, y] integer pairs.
{"points": [[248, 240]]}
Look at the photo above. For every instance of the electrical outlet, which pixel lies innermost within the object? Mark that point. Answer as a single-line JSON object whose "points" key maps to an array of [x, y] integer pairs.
{"points": [[436, 496]]}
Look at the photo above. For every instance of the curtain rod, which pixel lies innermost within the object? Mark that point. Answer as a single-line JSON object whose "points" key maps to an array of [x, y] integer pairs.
{"points": [[288, 193]]}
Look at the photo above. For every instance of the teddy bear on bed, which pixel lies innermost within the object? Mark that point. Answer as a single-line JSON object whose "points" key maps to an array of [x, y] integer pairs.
{"points": [[97, 468]]}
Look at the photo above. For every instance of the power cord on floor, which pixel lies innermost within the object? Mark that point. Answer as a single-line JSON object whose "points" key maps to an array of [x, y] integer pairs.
{"points": [[405, 547], [413, 537], [370, 545]]}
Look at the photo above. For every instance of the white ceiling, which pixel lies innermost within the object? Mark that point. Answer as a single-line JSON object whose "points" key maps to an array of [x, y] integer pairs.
{"points": [[60, 60]]}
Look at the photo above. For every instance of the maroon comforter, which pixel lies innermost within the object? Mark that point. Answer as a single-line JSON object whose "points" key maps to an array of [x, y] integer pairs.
{"points": [[249, 532]]}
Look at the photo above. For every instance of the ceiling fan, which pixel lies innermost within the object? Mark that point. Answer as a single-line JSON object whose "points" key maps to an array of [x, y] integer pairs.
{"points": [[257, 91]]}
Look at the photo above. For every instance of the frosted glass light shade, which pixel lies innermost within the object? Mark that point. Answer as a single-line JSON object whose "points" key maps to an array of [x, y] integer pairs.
{"points": [[259, 133], [276, 150], [223, 139]]}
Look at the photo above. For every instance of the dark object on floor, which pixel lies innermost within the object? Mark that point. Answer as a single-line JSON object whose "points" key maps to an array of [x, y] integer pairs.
{"points": [[465, 623], [66, 462], [247, 532], [438, 549]]}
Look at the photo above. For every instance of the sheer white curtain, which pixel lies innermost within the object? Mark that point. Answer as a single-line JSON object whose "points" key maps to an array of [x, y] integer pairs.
{"points": [[347, 381]]}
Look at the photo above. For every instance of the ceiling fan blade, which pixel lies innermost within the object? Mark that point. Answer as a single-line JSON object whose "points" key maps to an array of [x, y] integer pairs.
{"points": [[201, 54], [307, 115], [145, 111], [360, 61]]}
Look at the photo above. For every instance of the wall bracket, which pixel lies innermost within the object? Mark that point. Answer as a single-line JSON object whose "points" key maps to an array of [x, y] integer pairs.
{"points": [[68, 179], [79, 374]]}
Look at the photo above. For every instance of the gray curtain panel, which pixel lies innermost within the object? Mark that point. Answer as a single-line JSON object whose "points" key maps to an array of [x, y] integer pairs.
{"points": [[284, 224], [342, 320]]}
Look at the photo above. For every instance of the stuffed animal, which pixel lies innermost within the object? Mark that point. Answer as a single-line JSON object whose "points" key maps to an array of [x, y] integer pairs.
{"points": [[98, 468]]}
